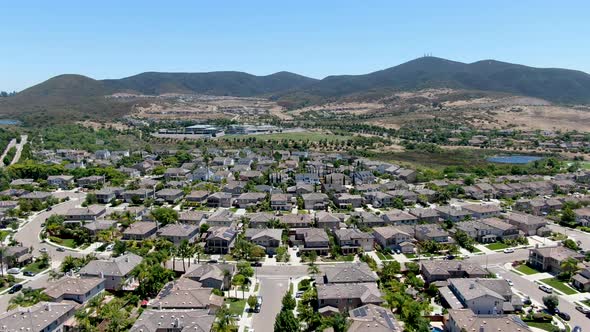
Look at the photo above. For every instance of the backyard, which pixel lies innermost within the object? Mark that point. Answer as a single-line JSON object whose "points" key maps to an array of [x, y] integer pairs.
{"points": [[236, 306]]}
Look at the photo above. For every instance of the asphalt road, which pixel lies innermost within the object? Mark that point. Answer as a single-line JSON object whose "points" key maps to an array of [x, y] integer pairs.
{"points": [[274, 283], [29, 234], [574, 234]]}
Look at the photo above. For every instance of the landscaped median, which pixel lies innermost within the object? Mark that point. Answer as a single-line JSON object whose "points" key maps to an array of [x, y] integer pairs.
{"points": [[559, 285]]}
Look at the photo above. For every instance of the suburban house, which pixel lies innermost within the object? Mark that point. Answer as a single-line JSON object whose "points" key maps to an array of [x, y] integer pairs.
{"points": [[428, 216], [347, 273], [348, 201], [107, 194], [140, 230], [582, 216], [211, 275], [296, 220], [392, 237], [399, 217], [60, 181], [443, 270], [466, 320], [176, 233], [480, 211], [197, 196], [528, 224], [192, 320], [91, 212], [377, 199], [170, 195], [250, 199], [267, 238], [44, 316], [116, 271], [428, 232], [138, 195], [334, 298], [260, 219], [312, 239], [352, 240], [186, 293], [501, 229], [581, 280], [17, 256], [75, 289], [219, 199], [194, 217], [220, 240], [549, 259], [373, 318], [221, 218], [482, 295], [280, 202], [448, 212], [177, 174], [327, 220], [90, 181], [315, 201]]}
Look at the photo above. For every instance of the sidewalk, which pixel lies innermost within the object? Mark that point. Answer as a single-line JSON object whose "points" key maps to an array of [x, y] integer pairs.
{"points": [[245, 321]]}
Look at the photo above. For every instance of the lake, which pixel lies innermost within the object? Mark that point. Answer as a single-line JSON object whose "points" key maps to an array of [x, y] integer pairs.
{"points": [[515, 159]]}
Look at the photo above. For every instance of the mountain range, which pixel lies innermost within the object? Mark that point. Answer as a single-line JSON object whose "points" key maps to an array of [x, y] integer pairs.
{"points": [[84, 95]]}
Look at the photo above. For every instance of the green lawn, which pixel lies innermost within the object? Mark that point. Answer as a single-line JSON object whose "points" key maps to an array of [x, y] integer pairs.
{"points": [[410, 255], [586, 165], [496, 246], [35, 267], [526, 269], [540, 325], [3, 235], [381, 256], [236, 306], [559, 285], [70, 243], [346, 258], [475, 250]]}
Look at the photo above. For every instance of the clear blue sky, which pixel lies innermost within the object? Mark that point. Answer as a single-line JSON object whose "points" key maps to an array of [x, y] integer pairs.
{"points": [[113, 39]]}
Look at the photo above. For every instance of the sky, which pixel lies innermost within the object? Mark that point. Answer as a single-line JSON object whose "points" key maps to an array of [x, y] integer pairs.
{"points": [[114, 39]]}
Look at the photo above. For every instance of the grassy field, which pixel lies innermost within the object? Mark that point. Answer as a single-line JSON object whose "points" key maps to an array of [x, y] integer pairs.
{"points": [[496, 246], [299, 136], [586, 165], [559, 285], [526, 269], [236, 306]]}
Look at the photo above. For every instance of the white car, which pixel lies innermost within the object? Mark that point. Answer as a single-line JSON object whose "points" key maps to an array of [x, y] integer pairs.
{"points": [[508, 250], [546, 289], [43, 250], [14, 270], [510, 282], [110, 247]]}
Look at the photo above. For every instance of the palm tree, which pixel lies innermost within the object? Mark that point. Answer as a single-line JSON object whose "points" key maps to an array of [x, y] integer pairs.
{"points": [[313, 269], [184, 251], [199, 250], [224, 321], [173, 252]]}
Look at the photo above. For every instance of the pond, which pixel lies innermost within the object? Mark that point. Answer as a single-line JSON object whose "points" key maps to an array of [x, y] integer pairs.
{"points": [[515, 159], [9, 122]]}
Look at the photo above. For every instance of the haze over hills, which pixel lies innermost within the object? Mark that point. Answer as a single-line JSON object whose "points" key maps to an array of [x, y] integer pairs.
{"points": [[83, 95]]}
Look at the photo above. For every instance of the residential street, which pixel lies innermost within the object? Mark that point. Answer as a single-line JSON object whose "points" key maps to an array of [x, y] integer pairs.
{"points": [[29, 234], [274, 283]]}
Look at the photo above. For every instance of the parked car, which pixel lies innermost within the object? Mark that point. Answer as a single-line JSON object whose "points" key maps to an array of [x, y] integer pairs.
{"points": [[14, 270], [298, 294], [564, 315], [451, 257], [110, 247], [527, 300], [60, 249], [29, 274], [583, 309], [546, 289], [508, 250], [510, 282], [15, 288], [43, 250], [256, 264], [49, 208], [577, 329], [212, 261]]}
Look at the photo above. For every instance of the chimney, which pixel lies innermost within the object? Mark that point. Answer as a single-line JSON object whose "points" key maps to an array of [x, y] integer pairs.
{"points": [[481, 329], [471, 286]]}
